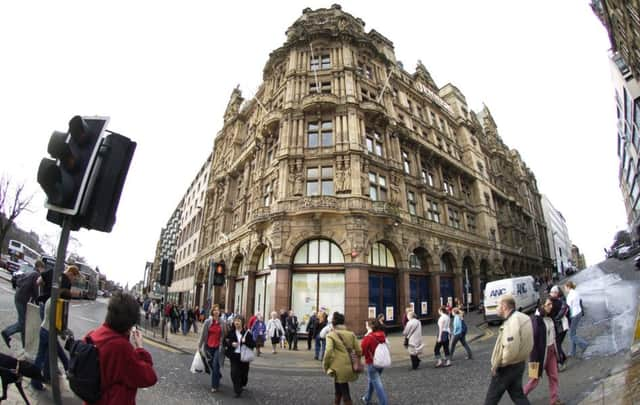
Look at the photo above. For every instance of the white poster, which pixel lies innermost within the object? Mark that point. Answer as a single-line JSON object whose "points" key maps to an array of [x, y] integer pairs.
{"points": [[372, 312], [389, 316], [424, 307], [413, 306]]}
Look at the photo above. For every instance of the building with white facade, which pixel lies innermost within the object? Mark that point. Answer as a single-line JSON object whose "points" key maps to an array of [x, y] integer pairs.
{"points": [[185, 289], [558, 236]]}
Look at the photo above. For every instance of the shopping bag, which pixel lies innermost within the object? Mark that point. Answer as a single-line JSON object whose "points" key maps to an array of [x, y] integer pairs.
{"points": [[534, 368], [197, 365], [246, 354]]}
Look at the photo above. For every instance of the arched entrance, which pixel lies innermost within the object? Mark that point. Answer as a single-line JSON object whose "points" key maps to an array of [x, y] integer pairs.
{"points": [[383, 284], [317, 280], [235, 293], [420, 283], [447, 278]]}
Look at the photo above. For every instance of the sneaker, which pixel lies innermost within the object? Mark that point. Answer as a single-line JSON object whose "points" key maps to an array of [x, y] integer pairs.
{"points": [[6, 338], [562, 367], [214, 390], [447, 363], [439, 363]]}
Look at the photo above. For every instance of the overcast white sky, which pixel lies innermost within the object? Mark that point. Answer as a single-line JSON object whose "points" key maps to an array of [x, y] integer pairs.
{"points": [[163, 72]]}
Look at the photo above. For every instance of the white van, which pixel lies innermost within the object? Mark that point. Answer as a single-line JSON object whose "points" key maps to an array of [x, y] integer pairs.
{"points": [[523, 290]]}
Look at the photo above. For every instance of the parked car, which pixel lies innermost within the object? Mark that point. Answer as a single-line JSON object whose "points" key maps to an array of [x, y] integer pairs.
{"points": [[627, 251], [16, 275]]}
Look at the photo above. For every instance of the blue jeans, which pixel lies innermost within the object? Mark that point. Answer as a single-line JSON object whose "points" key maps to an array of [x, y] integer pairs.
{"points": [[42, 358], [575, 339], [21, 309], [374, 382], [214, 363], [317, 347]]}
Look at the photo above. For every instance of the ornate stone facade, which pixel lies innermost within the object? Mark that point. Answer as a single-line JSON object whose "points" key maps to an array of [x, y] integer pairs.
{"points": [[349, 183]]}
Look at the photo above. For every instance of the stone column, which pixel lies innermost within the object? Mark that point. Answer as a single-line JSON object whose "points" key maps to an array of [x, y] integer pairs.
{"points": [[281, 293], [356, 293]]}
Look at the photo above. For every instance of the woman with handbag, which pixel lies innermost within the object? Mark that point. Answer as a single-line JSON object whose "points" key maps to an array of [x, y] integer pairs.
{"points": [[259, 332], [544, 354], [210, 344], [237, 337], [413, 333], [274, 330], [342, 358]]}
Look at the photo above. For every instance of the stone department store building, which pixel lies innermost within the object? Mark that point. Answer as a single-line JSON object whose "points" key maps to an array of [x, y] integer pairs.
{"points": [[350, 184]]}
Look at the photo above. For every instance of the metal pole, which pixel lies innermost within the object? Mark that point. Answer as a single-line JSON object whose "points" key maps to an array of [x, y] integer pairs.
{"points": [[165, 335], [466, 276], [55, 292]]}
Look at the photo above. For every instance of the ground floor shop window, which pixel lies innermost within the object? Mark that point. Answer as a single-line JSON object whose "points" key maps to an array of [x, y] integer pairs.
{"points": [[262, 298], [313, 291], [420, 295], [383, 298]]}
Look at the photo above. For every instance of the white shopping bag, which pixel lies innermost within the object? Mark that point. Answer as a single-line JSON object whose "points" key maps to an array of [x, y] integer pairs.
{"points": [[197, 365]]}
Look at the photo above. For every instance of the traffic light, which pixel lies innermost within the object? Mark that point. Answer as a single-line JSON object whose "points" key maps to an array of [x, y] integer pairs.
{"points": [[219, 271], [169, 278], [163, 271], [65, 178]]}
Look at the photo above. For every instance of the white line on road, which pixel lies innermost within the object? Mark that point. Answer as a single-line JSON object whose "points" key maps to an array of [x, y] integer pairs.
{"points": [[87, 319]]}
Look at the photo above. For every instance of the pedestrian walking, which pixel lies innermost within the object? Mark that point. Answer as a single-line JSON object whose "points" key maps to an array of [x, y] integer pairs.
{"points": [[42, 357], [459, 333], [26, 291], [544, 353], [274, 331], [124, 366], [238, 336], [574, 301], [404, 321], [512, 349], [560, 316], [259, 332], [191, 320], [283, 320], [374, 374], [328, 327], [337, 360], [210, 343], [292, 330], [413, 334], [312, 325], [320, 342], [442, 339]]}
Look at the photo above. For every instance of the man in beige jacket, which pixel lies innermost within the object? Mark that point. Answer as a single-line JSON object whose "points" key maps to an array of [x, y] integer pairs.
{"points": [[513, 345]]}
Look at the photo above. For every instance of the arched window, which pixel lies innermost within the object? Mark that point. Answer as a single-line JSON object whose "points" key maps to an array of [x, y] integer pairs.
{"points": [[445, 264], [319, 251], [414, 261], [264, 262], [381, 256]]}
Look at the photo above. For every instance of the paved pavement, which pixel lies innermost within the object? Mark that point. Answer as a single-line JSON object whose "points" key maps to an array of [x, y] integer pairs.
{"points": [[303, 359]]}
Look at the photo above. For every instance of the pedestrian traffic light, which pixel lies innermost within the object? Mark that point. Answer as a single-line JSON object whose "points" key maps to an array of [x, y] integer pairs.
{"points": [[219, 271], [65, 178], [169, 278]]}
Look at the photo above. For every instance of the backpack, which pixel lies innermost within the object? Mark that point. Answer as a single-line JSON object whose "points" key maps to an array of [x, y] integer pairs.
{"points": [[382, 355], [464, 326], [84, 370]]}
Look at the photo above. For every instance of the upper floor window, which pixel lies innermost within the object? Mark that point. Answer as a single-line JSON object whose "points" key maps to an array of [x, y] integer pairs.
{"points": [[268, 194], [427, 177], [414, 261], [377, 187], [368, 94], [319, 251], [319, 133], [454, 218], [320, 180], [406, 163], [374, 142], [325, 87], [448, 187], [381, 256], [471, 223], [365, 69], [433, 212], [322, 61], [411, 202], [264, 262]]}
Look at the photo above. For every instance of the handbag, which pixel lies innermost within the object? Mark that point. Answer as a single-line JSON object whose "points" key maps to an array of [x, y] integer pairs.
{"points": [[246, 354], [356, 364], [534, 368]]}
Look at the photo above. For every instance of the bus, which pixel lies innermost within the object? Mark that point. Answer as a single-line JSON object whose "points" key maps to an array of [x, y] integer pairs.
{"points": [[18, 250], [87, 283]]}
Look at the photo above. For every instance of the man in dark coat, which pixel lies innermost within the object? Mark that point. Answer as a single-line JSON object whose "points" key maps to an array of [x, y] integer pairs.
{"points": [[292, 330]]}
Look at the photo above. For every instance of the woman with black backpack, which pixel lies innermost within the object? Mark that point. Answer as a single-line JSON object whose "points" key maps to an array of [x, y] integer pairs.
{"points": [[459, 333]]}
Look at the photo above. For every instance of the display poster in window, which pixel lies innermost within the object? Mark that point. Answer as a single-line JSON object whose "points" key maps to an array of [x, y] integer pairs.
{"points": [[412, 306], [389, 316], [469, 298], [372, 312], [424, 307], [303, 292]]}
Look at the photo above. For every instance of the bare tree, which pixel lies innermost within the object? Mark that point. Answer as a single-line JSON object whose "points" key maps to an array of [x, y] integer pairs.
{"points": [[12, 203]]}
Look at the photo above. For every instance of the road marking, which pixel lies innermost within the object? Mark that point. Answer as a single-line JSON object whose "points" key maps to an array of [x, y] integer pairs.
{"points": [[160, 346], [87, 319]]}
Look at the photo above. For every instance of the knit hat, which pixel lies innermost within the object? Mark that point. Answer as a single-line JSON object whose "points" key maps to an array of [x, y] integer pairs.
{"points": [[555, 289]]}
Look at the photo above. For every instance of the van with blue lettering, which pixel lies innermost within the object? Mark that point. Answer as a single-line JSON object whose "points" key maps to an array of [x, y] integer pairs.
{"points": [[523, 290]]}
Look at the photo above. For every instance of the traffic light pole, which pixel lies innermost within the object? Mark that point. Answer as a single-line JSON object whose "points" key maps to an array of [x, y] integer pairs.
{"points": [[165, 336], [55, 293]]}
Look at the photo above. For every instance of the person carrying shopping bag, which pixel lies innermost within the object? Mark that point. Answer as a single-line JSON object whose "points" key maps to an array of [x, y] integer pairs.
{"points": [[210, 343]]}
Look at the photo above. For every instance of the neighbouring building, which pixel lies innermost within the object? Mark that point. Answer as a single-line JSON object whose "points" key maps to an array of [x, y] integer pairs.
{"points": [[578, 258], [186, 289], [621, 20], [348, 183], [558, 236], [165, 249]]}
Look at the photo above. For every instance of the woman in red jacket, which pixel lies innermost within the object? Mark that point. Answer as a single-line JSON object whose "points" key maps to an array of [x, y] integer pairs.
{"points": [[372, 339], [124, 366]]}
